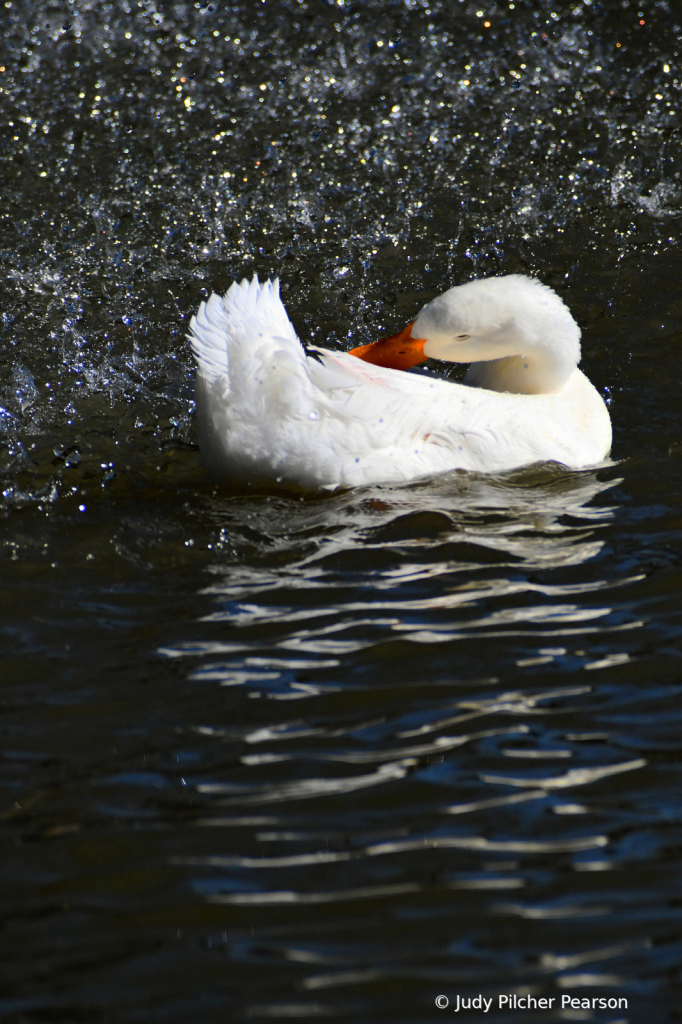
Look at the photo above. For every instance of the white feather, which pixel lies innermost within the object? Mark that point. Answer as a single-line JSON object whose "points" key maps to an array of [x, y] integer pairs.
{"points": [[269, 413]]}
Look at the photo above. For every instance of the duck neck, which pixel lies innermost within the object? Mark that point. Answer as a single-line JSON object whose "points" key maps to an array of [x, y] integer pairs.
{"points": [[541, 371]]}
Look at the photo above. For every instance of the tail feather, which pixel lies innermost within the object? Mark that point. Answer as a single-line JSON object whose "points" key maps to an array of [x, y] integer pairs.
{"points": [[208, 337], [252, 301], [223, 326]]}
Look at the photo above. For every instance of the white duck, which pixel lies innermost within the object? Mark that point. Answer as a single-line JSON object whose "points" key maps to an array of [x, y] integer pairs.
{"points": [[269, 413]]}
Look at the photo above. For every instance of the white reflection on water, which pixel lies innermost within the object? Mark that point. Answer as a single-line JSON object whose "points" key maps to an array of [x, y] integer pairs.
{"points": [[551, 913], [478, 843], [300, 789], [488, 804], [421, 560], [553, 962], [330, 896], [538, 754], [439, 745], [574, 777], [589, 980]]}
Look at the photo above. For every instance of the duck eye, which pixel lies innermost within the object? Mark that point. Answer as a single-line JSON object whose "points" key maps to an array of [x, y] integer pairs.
{"points": [[462, 337]]}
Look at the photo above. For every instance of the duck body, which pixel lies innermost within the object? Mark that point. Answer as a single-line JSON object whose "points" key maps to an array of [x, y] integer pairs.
{"points": [[268, 413]]}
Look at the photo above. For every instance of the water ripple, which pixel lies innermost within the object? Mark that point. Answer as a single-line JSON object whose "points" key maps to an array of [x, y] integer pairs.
{"points": [[339, 735]]}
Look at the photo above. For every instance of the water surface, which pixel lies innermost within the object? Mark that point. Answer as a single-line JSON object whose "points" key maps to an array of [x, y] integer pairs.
{"points": [[269, 757]]}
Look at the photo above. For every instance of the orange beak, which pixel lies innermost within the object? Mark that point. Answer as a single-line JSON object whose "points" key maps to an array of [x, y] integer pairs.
{"points": [[399, 353]]}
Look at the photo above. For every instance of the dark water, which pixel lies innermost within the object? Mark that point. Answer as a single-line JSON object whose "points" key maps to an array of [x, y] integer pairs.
{"points": [[274, 758]]}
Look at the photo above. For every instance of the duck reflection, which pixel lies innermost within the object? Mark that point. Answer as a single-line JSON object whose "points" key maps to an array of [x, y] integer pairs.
{"points": [[459, 558]]}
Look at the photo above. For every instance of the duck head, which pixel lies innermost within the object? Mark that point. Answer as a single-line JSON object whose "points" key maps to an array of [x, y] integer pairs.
{"points": [[515, 332]]}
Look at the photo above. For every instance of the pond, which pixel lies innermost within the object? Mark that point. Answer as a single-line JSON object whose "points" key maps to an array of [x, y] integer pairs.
{"points": [[335, 756]]}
